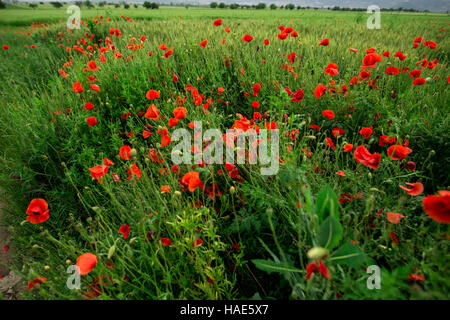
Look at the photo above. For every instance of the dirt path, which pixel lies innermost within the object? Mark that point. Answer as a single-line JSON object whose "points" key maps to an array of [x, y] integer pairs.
{"points": [[10, 283]]}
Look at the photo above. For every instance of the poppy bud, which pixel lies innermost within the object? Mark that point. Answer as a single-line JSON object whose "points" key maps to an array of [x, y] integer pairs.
{"points": [[133, 153], [96, 209], [111, 251], [389, 181], [89, 220], [269, 211], [347, 218], [47, 267], [207, 123], [35, 246], [302, 123], [68, 261], [369, 175], [23, 222], [316, 253], [310, 137], [132, 240], [428, 79], [371, 140], [177, 193], [232, 190], [432, 153]]}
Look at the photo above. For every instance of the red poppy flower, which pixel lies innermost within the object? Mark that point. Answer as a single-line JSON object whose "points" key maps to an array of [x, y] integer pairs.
{"points": [[63, 73], [88, 106], [77, 87], [386, 140], [392, 71], [91, 121], [418, 81], [180, 113], [124, 152], [415, 73], [363, 156], [320, 90], [371, 60], [438, 207], [410, 166], [203, 43], [134, 171], [247, 38], [366, 132], [348, 147], [5, 47], [37, 211], [255, 104], [312, 268], [197, 242], [86, 262], [95, 87], [125, 230], [36, 281], [166, 242], [152, 113], [394, 217], [297, 96], [417, 188], [168, 53], [99, 172], [328, 114], [400, 55], [266, 42], [152, 94], [337, 132], [256, 89], [165, 189], [324, 42], [331, 69], [398, 152], [353, 50], [227, 30], [192, 180], [217, 22], [93, 66], [364, 74], [386, 54]]}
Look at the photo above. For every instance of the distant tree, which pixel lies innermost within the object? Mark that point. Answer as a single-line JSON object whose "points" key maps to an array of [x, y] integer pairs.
{"points": [[222, 5], [33, 5], [147, 5], [213, 5], [88, 4], [273, 6], [154, 5], [101, 4], [56, 4], [290, 6], [126, 6], [136, 5], [234, 6], [261, 6], [2, 5]]}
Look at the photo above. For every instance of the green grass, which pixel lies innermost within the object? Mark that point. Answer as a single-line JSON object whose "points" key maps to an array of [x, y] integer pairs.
{"points": [[47, 149]]}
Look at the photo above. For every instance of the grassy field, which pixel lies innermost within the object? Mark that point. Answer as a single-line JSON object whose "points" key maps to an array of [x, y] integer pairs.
{"points": [[86, 123]]}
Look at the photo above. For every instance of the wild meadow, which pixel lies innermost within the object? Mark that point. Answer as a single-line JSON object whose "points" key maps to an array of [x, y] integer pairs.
{"points": [[86, 154]]}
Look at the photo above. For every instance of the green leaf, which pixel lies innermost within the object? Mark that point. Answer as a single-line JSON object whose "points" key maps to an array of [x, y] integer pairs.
{"points": [[272, 266], [327, 203], [330, 233], [349, 254]]}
